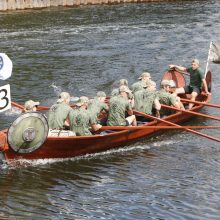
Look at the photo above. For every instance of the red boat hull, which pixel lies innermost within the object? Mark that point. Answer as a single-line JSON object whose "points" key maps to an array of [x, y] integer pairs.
{"points": [[67, 147]]}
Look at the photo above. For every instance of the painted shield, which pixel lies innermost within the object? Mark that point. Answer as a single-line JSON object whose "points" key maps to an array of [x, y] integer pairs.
{"points": [[28, 132]]}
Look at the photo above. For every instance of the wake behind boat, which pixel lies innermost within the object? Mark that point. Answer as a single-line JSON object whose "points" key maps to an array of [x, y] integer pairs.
{"points": [[35, 144]]}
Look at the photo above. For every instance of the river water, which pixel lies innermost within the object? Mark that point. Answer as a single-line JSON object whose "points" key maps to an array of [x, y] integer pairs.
{"points": [[174, 175]]}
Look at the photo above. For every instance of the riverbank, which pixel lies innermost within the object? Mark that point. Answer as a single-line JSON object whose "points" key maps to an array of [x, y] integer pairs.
{"points": [[6, 5]]}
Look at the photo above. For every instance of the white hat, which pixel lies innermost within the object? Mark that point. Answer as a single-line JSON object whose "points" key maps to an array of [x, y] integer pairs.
{"points": [[145, 74], [30, 104], [100, 94], [124, 89], [165, 82], [82, 100], [63, 96]]}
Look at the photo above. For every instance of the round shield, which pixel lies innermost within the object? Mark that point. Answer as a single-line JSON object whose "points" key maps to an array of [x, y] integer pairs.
{"points": [[208, 81], [28, 132], [177, 77]]}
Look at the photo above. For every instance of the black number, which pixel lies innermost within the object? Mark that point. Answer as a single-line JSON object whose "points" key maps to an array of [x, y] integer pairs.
{"points": [[4, 98]]}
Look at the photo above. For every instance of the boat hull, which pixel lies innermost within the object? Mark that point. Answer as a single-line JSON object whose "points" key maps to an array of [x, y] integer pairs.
{"points": [[66, 147]]}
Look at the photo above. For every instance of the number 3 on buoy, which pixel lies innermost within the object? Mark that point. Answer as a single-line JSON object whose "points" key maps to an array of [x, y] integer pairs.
{"points": [[5, 98]]}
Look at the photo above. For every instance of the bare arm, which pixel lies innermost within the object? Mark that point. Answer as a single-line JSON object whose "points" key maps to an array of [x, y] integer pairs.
{"points": [[180, 69], [157, 104]]}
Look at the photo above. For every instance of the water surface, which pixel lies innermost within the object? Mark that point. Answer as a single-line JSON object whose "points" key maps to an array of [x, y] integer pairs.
{"points": [[173, 175]]}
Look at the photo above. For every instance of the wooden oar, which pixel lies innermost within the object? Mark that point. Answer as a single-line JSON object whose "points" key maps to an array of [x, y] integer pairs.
{"points": [[201, 103], [171, 123], [14, 104], [191, 112], [131, 128]]}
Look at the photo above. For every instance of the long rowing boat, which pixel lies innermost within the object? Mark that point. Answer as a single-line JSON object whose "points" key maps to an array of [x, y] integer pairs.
{"points": [[33, 147]]}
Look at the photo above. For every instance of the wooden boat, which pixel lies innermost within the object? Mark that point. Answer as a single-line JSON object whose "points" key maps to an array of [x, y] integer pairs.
{"points": [[66, 147]]}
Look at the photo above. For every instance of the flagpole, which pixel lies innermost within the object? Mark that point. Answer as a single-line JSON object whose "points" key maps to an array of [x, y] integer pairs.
{"points": [[207, 64]]}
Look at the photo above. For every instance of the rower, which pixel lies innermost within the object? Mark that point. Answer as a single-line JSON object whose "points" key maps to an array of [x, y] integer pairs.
{"points": [[144, 78], [172, 91], [122, 82], [118, 106], [197, 79], [31, 106], [81, 119], [166, 98], [98, 105], [146, 100], [58, 118]]}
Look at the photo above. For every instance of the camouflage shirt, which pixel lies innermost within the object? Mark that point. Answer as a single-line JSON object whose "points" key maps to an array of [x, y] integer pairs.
{"points": [[167, 99], [144, 101], [118, 105], [80, 121], [96, 107], [137, 86], [57, 115]]}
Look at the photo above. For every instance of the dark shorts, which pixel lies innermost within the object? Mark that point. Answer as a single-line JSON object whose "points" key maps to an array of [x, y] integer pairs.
{"points": [[142, 118], [190, 89], [127, 123]]}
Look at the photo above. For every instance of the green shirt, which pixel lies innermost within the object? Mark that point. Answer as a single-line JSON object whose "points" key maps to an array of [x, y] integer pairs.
{"points": [[57, 115], [167, 99], [144, 101], [96, 107], [118, 105], [137, 86], [196, 77], [80, 120]]}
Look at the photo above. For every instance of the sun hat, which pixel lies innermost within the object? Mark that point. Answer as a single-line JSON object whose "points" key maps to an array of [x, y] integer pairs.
{"points": [[30, 104], [165, 82], [82, 101], [124, 89], [100, 94], [63, 96], [123, 82], [145, 74]]}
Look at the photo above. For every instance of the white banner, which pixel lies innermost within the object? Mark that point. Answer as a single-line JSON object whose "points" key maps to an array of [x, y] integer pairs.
{"points": [[214, 53], [5, 66], [5, 98]]}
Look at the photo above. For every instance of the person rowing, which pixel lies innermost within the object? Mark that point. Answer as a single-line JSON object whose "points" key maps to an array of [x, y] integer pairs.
{"points": [[197, 79], [166, 98], [58, 117], [144, 78], [97, 105], [146, 100], [81, 119], [118, 107]]}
